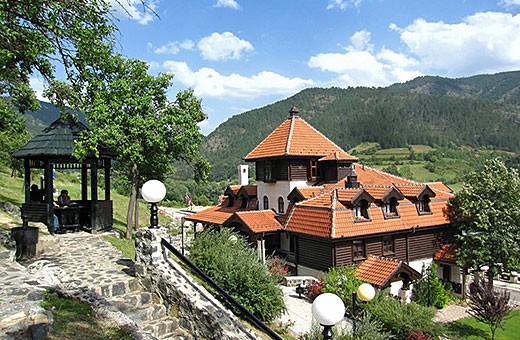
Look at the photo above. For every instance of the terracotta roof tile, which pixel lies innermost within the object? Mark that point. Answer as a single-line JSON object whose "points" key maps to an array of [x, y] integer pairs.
{"points": [[338, 156], [259, 221], [447, 253], [294, 137], [377, 270], [309, 192]]}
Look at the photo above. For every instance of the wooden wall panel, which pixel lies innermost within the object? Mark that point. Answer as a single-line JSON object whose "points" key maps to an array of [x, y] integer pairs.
{"points": [[374, 246], [423, 244], [400, 247], [343, 253], [314, 253], [281, 170]]}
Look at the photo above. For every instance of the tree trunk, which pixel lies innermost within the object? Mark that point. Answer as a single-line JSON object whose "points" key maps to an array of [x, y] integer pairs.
{"points": [[132, 203], [136, 212], [490, 274]]}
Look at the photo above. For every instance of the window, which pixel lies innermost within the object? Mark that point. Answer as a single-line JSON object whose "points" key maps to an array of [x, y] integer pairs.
{"points": [[244, 202], [361, 211], [390, 208], [231, 201], [424, 205], [266, 203], [388, 245], [313, 169], [268, 171], [280, 205], [358, 250]]}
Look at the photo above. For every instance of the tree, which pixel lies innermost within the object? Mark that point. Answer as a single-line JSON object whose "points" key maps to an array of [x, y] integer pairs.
{"points": [[36, 33], [429, 290], [13, 133], [128, 111], [487, 211], [488, 306]]}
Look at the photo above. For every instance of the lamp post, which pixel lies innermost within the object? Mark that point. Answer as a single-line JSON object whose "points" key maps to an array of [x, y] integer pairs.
{"points": [[365, 292], [153, 191], [328, 310]]}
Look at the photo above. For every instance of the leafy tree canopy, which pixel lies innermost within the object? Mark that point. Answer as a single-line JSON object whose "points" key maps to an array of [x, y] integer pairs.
{"points": [[487, 210]]}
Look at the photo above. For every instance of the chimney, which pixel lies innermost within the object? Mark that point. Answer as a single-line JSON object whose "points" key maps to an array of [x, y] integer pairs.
{"points": [[351, 181], [243, 175], [294, 112]]}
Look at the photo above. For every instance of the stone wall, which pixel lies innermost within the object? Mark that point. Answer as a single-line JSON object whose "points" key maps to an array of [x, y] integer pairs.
{"points": [[197, 310]]}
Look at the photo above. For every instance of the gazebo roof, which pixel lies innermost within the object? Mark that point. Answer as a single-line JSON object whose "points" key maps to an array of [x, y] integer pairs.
{"points": [[57, 140]]}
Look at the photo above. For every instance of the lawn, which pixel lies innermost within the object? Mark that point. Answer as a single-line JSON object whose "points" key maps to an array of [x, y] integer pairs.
{"points": [[470, 329]]}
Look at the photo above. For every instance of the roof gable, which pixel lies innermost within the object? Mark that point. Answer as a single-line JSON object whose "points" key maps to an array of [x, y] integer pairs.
{"points": [[381, 271]]}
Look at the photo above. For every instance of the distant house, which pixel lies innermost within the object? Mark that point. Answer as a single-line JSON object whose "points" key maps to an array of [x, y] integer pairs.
{"points": [[315, 205]]}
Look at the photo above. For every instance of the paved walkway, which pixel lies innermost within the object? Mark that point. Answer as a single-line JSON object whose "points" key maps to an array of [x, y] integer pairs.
{"points": [[87, 267]]}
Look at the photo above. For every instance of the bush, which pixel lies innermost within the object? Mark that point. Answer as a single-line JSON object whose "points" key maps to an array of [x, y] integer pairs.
{"points": [[277, 268], [402, 319], [342, 281], [232, 264], [315, 289], [430, 291]]}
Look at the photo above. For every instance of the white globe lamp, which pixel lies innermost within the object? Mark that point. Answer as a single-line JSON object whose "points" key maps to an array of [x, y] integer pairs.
{"points": [[328, 309], [153, 191]]}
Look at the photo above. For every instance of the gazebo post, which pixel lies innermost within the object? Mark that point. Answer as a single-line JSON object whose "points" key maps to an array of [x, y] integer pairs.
{"points": [[94, 194], [107, 179], [84, 182], [27, 180], [49, 191]]}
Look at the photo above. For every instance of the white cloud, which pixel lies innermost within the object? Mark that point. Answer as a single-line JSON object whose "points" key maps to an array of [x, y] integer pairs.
{"points": [[509, 3], [481, 43], [360, 66], [343, 4], [206, 82], [135, 10], [175, 47], [223, 46], [38, 86], [227, 4]]}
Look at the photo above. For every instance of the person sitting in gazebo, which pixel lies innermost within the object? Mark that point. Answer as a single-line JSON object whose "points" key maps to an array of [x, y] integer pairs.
{"points": [[36, 195], [64, 199]]}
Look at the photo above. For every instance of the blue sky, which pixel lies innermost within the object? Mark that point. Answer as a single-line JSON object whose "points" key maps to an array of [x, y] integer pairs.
{"points": [[242, 54]]}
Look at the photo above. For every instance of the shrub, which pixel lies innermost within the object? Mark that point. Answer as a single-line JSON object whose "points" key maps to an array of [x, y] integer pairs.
{"points": [[430, 291], [277, 268], [315, 289], [401, 318], [233, 265], [342, 281]]}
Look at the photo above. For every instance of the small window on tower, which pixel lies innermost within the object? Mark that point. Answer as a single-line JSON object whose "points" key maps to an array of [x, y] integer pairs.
{"points": [[281, 209], [266, 203], [313, 169]]}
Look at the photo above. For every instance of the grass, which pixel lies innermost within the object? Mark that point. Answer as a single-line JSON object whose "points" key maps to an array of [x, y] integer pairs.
{"points": [[12, 192], [470, 328], [73, 319]]}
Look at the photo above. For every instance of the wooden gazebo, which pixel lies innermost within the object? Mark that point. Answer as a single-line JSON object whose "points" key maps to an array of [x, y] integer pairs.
{"points": [[52, 149]]}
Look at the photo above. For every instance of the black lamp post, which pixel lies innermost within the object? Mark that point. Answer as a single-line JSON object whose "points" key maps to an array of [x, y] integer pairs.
{"points": [[153, 191]]}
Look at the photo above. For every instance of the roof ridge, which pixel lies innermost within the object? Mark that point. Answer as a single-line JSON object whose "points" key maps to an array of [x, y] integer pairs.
{"points": [[289, 135], [387, 174], [333, 203]]}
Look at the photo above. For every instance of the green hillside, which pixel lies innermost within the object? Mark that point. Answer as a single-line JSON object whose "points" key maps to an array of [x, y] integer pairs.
{"points": [[480, 111]]}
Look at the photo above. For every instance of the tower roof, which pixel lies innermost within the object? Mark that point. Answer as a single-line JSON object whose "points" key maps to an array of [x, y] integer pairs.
{"points": [[295, 137]]}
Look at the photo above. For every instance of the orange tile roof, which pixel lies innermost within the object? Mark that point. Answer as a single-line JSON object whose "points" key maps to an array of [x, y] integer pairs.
{"points": [[213, 215], [377, 270], [309, 192], [294, 137], [250, 190], [338, 156], [439, 186], [378, 192], [259, 221], [447, 253]]}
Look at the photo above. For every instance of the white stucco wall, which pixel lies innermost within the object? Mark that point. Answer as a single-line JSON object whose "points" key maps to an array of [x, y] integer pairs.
{"points": [[275, 190]]}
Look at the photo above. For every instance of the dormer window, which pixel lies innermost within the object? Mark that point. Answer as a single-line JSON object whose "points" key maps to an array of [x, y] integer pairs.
{"points": [[281, 208], [231, 201], [361, 211], [390, 208], [423, 205], [266, 203]]}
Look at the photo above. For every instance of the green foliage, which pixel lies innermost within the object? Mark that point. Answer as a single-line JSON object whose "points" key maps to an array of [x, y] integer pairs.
{"points": [[13, 134], [471, 329], [278, 268], [488, 306], [487, 211], [342, 281], [429, 289], [401, 318], [232, 264], [74, 33]]}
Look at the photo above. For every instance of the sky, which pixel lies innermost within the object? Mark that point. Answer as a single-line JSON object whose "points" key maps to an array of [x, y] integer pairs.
{"points": [[238, 55]]}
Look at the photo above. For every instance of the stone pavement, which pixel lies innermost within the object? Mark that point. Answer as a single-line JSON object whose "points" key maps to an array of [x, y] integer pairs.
{"points": [[87, 267]]}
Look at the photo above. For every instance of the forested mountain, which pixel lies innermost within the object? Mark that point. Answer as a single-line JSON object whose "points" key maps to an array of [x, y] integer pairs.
{"points": [[482, 110], [477, 111]]}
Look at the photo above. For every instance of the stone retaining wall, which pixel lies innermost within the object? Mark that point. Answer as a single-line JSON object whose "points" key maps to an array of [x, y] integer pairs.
{"points": [[197, 310]]}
